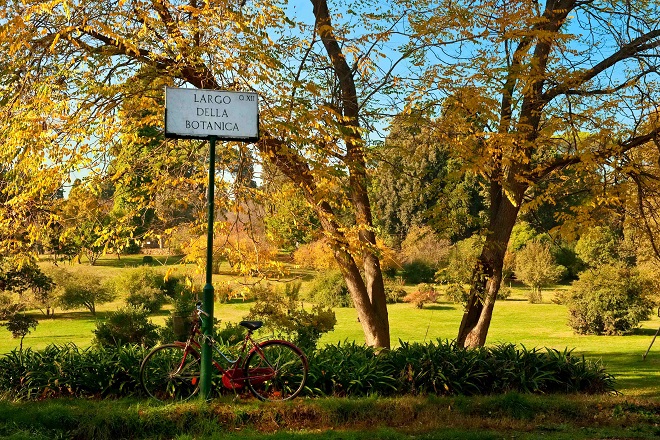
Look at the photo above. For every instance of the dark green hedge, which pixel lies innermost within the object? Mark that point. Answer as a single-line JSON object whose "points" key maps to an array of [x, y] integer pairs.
{"points": [[346, 369]]}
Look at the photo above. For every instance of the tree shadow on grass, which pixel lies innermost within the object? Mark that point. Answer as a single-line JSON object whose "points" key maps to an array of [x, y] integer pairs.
{"points": [[438, 307], [634, 375], [645, 332]]}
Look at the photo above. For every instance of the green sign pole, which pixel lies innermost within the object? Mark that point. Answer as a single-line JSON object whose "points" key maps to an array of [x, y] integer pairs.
{"points": [[207, 298]]}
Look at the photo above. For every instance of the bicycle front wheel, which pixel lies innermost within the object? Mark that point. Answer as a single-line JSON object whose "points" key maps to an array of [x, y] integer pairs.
{"points": [[171, 373], [276, 370]]}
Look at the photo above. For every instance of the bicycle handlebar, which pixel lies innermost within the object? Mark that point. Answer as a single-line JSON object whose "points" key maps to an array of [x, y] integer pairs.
{"points": [[199, 309]]}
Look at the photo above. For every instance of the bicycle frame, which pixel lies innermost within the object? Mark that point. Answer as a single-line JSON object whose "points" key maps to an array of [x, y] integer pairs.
{"points": [[232, 377]]}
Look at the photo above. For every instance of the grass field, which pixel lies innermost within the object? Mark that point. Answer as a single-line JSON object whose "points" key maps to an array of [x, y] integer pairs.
{"points": [[515, 320]]}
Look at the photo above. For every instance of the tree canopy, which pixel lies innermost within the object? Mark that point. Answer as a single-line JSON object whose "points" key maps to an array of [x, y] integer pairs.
{"points": [[534, 102]]}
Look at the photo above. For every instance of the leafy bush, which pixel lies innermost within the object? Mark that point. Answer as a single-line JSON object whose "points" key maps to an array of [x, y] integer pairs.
{"points": [[329, 289], [81, 290], [444, 368], [417, 272], [394, 294], [423, 245], [536, 268], [610, 300], [128, 325], [423, 294], [66, 370], [20, 326], [457, 293], [461, 262], [183, 312], [315, 255], [598, 246], [283, 312], [145, 287], [347, 369]]}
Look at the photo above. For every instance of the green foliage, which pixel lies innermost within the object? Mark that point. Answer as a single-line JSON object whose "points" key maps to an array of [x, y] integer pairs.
{"points": [[66, 370], [284, 313], [536, 268], [329, 289], [521, 234], [349, 369], [33, 286], [566, 256], [128, 325], [9, 306], [422, 244], [423, 294], [15, 277], [610, 299], [20, 326], [461, 261], [443, 368], [394, 293], [81, 290], [598, 246], [178, 324], [417, 272], [346, 369], [418, 183], [145, 287], [292, 221], [457, 293]]}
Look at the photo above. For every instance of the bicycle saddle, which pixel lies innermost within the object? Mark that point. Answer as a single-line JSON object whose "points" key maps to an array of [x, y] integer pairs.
{"points": [[251, 325]]}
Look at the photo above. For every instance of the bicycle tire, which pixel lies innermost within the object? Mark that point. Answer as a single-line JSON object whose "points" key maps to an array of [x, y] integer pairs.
{"points": [[171, 373], [276, 370]]}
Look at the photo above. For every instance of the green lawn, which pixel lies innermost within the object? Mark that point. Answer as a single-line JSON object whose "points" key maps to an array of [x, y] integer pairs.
{"points": [[515, 320]]}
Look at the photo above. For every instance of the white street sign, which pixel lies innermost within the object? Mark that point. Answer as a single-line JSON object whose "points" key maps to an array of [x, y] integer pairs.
{"points": [[201, 114]]}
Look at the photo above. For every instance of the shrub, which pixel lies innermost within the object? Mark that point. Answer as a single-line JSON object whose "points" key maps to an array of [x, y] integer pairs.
{"points": [[424, 246], [423, 294], [394, 294], [457, 293], [345, 369], [20, 326], [66, 370], [610, 300], [417, 272], [183, 314], [128, 325], [461, 262], [599, 245], [81, 290], [315, 255], [504, 292], [536, 268], [329, 289], [145, 287], [284, 313], [444, 368]]}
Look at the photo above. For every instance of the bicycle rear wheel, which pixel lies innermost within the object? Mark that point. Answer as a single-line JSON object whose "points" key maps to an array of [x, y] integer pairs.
{"points": [[276, 370], [170, 372]]}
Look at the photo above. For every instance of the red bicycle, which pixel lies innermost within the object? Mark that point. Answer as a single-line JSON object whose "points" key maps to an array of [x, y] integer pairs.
{"points": [[272, 370]]}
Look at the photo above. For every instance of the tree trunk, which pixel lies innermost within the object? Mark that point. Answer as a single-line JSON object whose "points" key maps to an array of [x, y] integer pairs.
{"points": [[487, 276], [369, 302]]}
